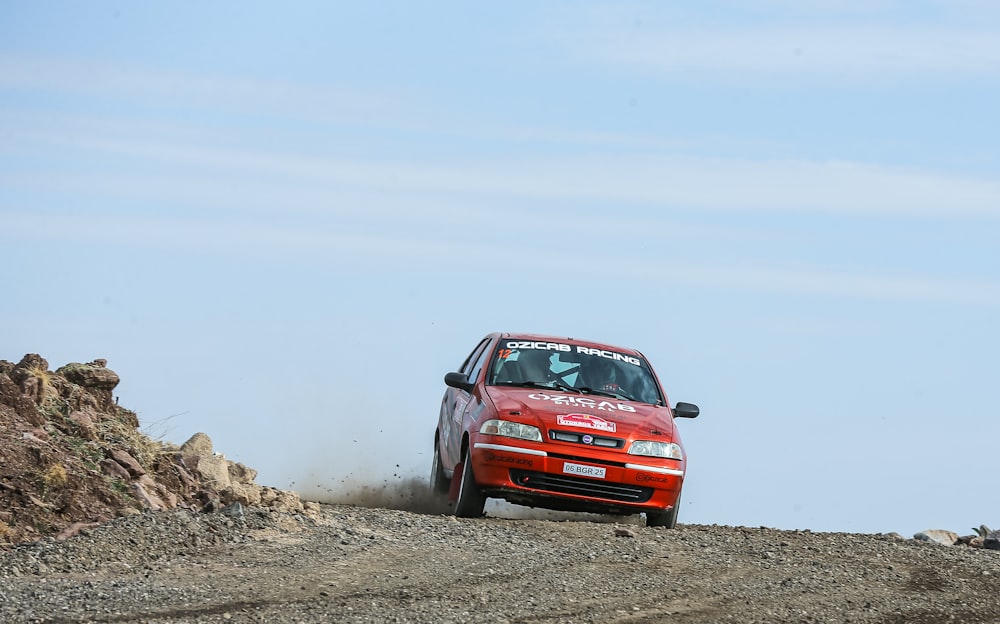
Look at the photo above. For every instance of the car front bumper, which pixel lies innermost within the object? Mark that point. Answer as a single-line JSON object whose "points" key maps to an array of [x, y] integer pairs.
{"points": [[561, 477]]}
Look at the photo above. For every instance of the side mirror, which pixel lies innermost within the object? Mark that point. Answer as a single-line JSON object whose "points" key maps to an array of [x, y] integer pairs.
{"points": [[686, 410], [460, 381]]}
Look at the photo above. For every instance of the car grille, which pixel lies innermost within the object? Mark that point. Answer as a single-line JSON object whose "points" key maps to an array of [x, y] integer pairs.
{"points": [[577, 438], [564, 484]]}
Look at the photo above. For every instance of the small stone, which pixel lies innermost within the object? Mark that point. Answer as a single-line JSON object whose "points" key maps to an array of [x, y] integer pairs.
{"points": [[234, 510]]}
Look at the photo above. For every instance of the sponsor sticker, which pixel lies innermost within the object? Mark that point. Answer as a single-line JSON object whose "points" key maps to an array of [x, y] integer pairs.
{"points": [[490, 456], [584, 471], [610, 355], [548, 346], [645, 477], [565, 348], [586, 420], [581, 401]]}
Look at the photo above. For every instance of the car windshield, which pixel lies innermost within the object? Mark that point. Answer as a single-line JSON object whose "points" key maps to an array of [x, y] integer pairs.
{"points": [[573, 368]]}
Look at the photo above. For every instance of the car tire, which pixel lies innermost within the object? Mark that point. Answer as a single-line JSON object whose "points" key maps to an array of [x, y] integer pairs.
{"points": [[470, 502], [666, 519], [439, 482]]}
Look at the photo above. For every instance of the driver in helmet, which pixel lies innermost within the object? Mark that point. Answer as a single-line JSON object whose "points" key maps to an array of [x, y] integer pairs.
{"points": [[603, 376], [534, 364]]}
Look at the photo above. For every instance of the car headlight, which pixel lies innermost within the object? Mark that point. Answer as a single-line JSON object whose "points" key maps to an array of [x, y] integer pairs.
{"points": [[650, 448], [511, 430]]}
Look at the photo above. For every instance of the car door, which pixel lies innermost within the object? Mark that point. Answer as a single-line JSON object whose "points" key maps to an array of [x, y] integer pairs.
{"points": [[453, 407]]}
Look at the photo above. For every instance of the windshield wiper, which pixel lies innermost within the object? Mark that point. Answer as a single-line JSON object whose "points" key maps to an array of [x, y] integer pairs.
{"points": [[565, 388], [548, 385]]}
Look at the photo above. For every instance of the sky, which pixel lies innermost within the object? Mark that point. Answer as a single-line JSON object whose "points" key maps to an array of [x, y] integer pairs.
{"points": [[283, 223]]}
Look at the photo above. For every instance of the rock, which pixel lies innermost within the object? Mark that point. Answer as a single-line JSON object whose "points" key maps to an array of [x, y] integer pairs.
{"points": [[214, 470], [246, 493], [98, 381], [114, 469], [185, 477], [128, 462], [992, 540], [23, 406], [937, 536], [90, 375], [31, 437], [84, 421], [624, 533], [268, 495], [32, 375], [70, 418], [198, 445], [31, 365], [238, 473], [281, 500], [40, 434], [149, 501], [75, 529], [167, 499], [234, 510], [312, 509]]}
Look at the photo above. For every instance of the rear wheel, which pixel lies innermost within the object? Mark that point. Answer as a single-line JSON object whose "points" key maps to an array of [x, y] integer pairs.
{"points": [[470, 502], [666, 519], [439, 481]]}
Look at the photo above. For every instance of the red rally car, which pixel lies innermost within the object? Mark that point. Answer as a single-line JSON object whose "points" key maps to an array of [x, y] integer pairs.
{"points": [[559, 423]]}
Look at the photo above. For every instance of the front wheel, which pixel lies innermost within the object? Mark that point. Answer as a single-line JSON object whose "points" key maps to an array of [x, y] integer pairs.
{"points": [[665, 519], [470, 503]]}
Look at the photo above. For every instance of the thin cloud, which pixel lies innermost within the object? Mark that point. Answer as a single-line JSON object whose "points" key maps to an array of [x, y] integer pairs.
{"points": [[857, 285], [399, 248], [852, 52], [124, 82], [675, 182]]}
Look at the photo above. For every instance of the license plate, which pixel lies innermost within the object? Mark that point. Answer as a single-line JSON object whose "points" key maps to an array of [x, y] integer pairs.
{"points": [[584, 471]]}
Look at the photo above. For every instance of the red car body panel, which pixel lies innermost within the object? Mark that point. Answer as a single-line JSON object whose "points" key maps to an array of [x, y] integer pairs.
{"points": [[582, 461]]}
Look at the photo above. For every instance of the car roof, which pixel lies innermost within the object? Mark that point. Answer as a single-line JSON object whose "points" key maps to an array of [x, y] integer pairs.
{"points": [[569, 340]]}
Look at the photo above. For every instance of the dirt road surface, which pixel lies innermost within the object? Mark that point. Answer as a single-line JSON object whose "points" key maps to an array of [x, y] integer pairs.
{"points": [[355, 564]]}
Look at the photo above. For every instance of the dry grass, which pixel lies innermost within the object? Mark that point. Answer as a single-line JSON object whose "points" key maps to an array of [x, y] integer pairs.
{"points": [[42, 375], [44, 378], [55, 477], [120, 433], [5, 532]]}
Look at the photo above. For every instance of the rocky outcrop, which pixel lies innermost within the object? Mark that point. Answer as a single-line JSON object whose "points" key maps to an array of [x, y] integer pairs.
{"points": [[937, 536], [983, 538], [71, 457]]}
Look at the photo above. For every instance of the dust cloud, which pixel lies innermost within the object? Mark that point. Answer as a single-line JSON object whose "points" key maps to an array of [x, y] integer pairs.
{"points": [[390, 471], [414, 494], [404, 493]]}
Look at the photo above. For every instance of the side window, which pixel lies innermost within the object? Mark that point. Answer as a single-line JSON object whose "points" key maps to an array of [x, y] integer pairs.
{"points": [[478, 367], [473, 357]]}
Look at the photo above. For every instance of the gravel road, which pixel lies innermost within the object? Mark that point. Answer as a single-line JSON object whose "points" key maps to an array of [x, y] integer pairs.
{"points": [[356, 564]]}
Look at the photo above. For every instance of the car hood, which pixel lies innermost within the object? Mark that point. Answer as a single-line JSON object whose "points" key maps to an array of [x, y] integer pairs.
{"points": [[585, 413]]}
